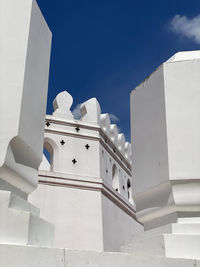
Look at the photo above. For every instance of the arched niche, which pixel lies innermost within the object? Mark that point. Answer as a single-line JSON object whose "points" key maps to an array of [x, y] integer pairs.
{"points": [[49, 151], [129, 190], [115, 177]]}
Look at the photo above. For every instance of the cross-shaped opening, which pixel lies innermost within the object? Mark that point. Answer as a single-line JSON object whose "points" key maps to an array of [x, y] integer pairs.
{"points": [[48, 124], [87, 146], [74, 161], [77, 129], [62, 142]]}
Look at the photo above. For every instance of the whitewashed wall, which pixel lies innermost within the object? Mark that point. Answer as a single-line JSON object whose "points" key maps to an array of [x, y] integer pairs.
{"points": [[88, 178]]}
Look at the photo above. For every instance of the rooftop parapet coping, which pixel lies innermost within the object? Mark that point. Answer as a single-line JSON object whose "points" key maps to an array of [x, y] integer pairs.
{"points": [[184, 55], [121, 142], [91, 113], [114, 133], [127, 151], [62, 104], [105, 123]]}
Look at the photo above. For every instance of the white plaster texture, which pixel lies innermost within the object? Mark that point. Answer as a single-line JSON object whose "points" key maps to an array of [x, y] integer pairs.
{"points": [[165, 134], [165, 140], [114, 133], [105, 123], [93, 259], [82, 200], [89, 177], [27, 255], [90, 110], [185, 55], [88, 142], [62, 104], [87, 214], [24, 68], [119, 228], [20, 223], [76, 214], [178, 240], [45, 165], [73, 148]]}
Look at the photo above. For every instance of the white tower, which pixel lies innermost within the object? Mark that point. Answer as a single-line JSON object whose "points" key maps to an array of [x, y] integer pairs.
{"points": [[86, 190]]}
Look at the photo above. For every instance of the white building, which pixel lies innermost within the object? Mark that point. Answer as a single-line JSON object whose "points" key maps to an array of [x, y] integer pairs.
{"points": [[86, 190], [165, 115]]}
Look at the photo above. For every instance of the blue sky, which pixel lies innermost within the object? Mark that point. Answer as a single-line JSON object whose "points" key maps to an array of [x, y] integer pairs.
{"points": [[104, 49]]}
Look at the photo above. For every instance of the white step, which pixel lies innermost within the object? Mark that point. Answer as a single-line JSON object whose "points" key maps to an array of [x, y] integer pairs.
{"points": [[146, 246], [185, 246], [10, 200], [186, 228], [23, 256], [20, 224], [176, 228]]}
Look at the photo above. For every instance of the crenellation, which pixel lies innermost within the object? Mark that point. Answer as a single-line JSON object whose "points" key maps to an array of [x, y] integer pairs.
{"points": [[63, 134], [91, 114], [92, 141], [90, 111], [105, 123], [121, 142], [114, 133], [127, 151], [62, 104]]}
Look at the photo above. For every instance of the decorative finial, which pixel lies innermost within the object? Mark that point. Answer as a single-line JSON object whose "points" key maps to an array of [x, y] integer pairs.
{"points": [[90, 110], [62, 104]]}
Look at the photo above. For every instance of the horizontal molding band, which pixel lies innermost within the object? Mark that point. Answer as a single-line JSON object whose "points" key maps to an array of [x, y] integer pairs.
{"points": [[125, 168], [89, 185], [94, 128]]}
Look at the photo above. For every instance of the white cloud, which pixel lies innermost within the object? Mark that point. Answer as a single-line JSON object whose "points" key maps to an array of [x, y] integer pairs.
{"points": [[113, 117], [76, 112], [189, 28]]}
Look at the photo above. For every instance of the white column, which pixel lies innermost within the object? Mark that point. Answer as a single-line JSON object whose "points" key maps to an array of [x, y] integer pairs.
{"points": [[165, 114], [24, 68]]}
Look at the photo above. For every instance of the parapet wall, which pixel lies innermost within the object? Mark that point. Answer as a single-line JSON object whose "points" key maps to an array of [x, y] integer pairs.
{"points": [[86, 190], [89, 147], [91, 113]]}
